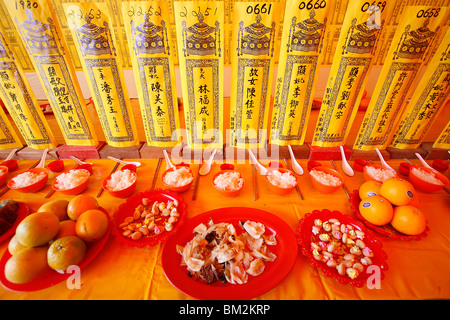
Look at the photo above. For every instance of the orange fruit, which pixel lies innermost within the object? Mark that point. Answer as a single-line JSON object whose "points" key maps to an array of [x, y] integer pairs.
{"points": [[37, 229], [369, 188], [409, 220], [415, 200], [66, 229], [14, 245], [57, 207], [26, 265], [377, 210], [91, 225], [65, 252], [397, 191], [80, 204]]}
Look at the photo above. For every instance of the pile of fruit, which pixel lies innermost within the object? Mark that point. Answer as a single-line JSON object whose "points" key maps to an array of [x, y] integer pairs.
{"points": [[393, 202], [55, 237]]}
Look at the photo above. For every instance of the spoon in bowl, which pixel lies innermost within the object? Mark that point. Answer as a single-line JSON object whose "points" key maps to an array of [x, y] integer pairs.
{"points": [[423, 161], [41, 163], [345, 166], [383, 163], [204, 170], [11, 154], [168, 163], [295, 165], [259, 167], [135, 163], [79, 161]]}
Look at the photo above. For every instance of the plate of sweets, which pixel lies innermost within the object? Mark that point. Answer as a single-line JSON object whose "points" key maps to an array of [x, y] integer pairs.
{"points": [[341, 247], [148, 218]]}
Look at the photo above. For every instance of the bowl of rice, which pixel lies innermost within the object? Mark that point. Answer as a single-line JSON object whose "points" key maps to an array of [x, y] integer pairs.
{"points": [[178, 179], [281, 181], [29, 181], [3, 174], [228, 182], [326, 180], [426, 179], [72, 182], [121, 183], [378, 173]]}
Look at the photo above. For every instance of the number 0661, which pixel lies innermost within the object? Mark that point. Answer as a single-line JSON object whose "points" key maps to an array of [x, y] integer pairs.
{"points": [[257, 9]]}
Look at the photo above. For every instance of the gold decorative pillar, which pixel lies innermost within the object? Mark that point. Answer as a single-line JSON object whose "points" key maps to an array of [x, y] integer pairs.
{"points": [[39, 29], [90, 26]]}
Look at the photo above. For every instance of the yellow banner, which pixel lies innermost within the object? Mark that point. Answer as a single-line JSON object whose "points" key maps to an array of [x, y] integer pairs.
{"points": [[8, 136], [40, 32], [352, 62], [20, 100], [427, 101], [415, 34], [443, 141], [200, 39], [254, 39], [304, 27], [146, 24], [90, 26]]}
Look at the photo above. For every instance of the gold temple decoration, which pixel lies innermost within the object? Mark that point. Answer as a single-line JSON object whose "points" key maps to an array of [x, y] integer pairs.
{"points": [[309, 35], [20, 100], [150, 38], [41, 33], [199, 37], [297, 72], [256, 39], [348, 76], [415, 35], [90, 26], [429, 98], [153, 68]]}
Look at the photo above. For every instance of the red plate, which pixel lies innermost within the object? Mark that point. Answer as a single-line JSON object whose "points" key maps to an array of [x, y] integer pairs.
{"points": [[286, 251], [386, 230], [126, 209], [305, 236], [21, 214], [51, 277]]}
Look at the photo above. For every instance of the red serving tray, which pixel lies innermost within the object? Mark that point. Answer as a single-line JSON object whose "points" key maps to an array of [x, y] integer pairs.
{"points": [[286, 250], [52, 277]]}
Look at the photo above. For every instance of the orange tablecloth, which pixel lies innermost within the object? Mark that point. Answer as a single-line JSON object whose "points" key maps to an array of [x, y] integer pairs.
{"points": [[417, 269]]}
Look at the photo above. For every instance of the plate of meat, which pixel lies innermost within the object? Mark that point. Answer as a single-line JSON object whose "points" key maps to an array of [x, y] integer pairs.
{"points": [[230, 253]]}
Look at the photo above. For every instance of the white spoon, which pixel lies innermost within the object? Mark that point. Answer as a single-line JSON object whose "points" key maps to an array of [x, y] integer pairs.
{"points": [[423, 161], [168, 163], [204, 170], [259, 167], [135, 163], [42, 162], [11, 154], [79, 161], [295, 165], [383, 163], [345, 166]]}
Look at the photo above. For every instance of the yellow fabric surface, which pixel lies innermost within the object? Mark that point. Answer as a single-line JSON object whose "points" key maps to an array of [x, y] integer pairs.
{"points": [[417, 269]]}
